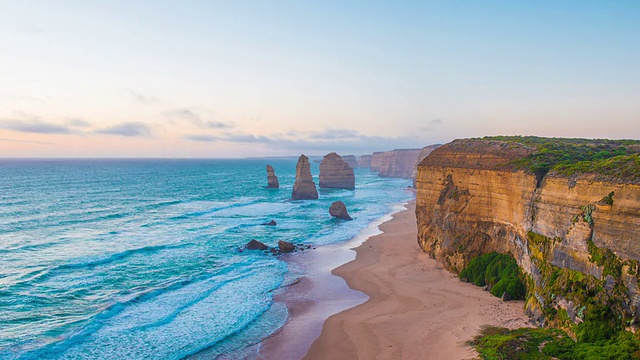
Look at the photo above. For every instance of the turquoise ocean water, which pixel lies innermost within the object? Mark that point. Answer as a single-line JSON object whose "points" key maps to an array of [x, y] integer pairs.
{"points": [[138, 259]]}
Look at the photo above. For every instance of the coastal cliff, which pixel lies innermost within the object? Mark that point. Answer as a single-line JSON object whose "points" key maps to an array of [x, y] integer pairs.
{"points": [[395, 163], [568, 211]]}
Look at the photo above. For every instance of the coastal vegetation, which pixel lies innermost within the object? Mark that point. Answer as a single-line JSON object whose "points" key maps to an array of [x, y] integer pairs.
{"points": [[496, 343], [609, 159], [499, 272]]}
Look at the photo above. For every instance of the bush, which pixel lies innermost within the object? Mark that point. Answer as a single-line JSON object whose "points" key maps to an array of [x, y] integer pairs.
{"points": [[499, 271]]}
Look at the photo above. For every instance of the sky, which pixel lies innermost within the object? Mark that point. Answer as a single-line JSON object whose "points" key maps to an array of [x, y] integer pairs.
{"points": [[225, 79]]}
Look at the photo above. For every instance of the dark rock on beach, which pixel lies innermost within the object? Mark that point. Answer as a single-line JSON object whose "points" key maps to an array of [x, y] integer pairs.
{"points": [[286, 247]]}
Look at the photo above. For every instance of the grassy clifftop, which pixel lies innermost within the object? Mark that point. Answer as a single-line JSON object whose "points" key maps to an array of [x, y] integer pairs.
{"points": [[611, 160]]}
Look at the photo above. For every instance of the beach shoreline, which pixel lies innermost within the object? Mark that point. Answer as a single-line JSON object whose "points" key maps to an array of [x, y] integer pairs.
{"points": [[412, 307]]}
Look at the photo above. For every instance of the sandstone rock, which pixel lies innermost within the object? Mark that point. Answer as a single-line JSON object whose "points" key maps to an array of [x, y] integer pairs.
{"points": [[255, 245], [336, 173], [351, 160], [270, 223], [272, 179], [395, 163], [364, 161], [339, 210], [304, 187], [285, 247], [421, 156]]}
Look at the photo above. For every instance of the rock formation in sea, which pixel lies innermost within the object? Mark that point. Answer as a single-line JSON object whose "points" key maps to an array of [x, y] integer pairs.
{"points": [[272, 179], [572, 227], [364, 161], [336, 173], [285, 247], [255, 245], [304, 188], [351, 160], [339, 210], [270, 223]]}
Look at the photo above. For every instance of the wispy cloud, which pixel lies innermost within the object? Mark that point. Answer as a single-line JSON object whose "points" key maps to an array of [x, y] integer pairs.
{"points": [[194, 117], [203, 138], [141, 98], [34, 125], [27, 141], [129, 129], [432, 125], [341, 140], [74, 122]]}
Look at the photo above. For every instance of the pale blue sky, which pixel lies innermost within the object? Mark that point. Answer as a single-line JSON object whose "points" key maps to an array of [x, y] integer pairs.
{"points": [[247, 78]]}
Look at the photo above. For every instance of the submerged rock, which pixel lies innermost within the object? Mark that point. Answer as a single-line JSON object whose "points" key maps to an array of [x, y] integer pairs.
{"points": [[339, 210], [285, 247], [255, 245], [270, 223], [272, 179], [304, 187], [336, 173]]}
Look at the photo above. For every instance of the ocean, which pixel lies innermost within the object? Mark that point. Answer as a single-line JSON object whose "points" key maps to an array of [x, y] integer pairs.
{"points": [[139, 259]]}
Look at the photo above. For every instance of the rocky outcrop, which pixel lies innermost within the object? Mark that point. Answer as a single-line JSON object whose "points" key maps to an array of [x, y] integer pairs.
{"points": [[395, 163], [270, 223], [351, 160], [304, 188], [256, 245], [285, 247], [339, 210], [272, 179], [364, 161], [336, 173], [471, 200]]}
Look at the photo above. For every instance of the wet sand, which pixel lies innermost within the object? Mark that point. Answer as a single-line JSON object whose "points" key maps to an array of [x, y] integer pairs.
{"points": [[415, 309]]}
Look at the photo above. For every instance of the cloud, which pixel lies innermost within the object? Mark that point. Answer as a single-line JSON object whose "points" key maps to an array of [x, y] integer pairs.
{"points": [[143, 99], [34, 125], [204, 138], [432, 124], [340, 140], [27, 141], [129, 129], [192, 116], [436, 121], [78, 123]]}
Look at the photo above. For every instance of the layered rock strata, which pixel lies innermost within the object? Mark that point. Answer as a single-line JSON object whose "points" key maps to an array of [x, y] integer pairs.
{"points": [[272, 179], [395, 163], [561, 230], [304, 188], [364, 161], [423, 154], [336, 173]]}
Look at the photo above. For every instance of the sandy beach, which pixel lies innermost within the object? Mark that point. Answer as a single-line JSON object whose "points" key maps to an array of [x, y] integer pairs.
{"points": [[415, 310]]}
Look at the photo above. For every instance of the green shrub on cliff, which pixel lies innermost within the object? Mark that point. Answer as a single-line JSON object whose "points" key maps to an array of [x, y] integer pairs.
{"points": [[527, 343], [613, 159], [499, 271]]}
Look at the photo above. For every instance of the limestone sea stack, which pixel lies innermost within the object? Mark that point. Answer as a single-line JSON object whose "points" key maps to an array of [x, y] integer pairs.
{"points": [[339, 210], [272, 179], [336, 173], [304, 188], [351, 160]]}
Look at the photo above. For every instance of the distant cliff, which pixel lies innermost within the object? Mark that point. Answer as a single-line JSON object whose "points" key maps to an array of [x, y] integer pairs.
{"points": [[395, 163], [364, 161], [568, 210]]}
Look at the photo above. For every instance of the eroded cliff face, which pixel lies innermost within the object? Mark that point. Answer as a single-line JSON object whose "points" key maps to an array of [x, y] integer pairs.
{"points": [[563, 232], [395, 163]]}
